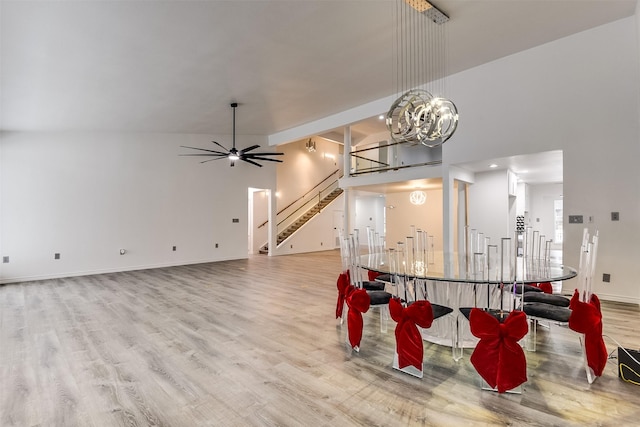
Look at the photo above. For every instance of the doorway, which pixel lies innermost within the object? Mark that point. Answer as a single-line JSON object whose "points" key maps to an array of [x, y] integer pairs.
{"points": [[258, 219]]}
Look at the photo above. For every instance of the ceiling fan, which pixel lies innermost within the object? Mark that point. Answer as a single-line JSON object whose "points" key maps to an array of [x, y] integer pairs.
{"points": [[234, 154]]}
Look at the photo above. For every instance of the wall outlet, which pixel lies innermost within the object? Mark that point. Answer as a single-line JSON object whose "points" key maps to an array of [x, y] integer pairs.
{"points": [[56, 256], [234, 220], [174, 248], [123, 251], [5, 259], [615, 216], [606, 277], [216, 246]]}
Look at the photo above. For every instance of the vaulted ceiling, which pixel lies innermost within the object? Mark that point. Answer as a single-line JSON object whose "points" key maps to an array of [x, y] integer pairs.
{"points": [[174, 66]]}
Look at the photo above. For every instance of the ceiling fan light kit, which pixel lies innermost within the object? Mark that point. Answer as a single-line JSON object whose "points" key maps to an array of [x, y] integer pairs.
{"points": [[234, 154]]}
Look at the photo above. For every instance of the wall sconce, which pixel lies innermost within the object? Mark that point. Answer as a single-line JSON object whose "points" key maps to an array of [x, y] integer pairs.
{"points": [[418, 197], [311, 145]]}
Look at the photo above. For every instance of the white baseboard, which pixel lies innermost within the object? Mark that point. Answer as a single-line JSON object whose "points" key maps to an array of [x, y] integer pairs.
{"points": [[34, 278]]}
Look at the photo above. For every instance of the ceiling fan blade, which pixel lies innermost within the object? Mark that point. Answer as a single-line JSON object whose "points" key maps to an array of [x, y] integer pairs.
{"points": [[221, 146], [263, 158], [253, 147], [250, 161], [265, 154], [203, 149], [217, 158], [202, 154]]}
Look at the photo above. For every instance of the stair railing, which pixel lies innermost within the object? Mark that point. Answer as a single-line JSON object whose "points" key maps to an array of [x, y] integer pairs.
{"points": [[307, 208], [300, 201]]}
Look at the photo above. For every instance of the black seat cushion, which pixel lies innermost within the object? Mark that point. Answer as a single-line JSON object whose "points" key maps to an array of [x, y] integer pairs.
{"points": [[466, 311], [373, 286], [556, 300], [501, 315], [547, 311], [527, 288], [440, 310], [385, 278], [379, 297]]}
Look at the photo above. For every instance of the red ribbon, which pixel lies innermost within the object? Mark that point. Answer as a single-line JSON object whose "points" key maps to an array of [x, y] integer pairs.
{"points": [[586, 318], [358, 301], [408, 337], [372, 275], [498, 357], [343, 289]]}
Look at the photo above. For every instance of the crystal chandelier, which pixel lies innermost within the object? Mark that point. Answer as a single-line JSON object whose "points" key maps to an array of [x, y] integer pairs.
{"points": [[417, 116]]}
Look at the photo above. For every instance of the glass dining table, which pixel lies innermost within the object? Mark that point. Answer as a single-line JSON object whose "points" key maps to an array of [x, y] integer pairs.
{"points": [[456, 280]]}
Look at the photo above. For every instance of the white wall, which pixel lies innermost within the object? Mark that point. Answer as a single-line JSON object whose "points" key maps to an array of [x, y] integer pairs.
{"points": [[302, 170], [578, 94], [86, 196], [541, 214], [427, 217], [489, 205], [369, 212]]}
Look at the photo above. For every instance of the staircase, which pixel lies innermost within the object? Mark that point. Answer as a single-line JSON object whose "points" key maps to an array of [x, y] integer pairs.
{"points": [[313, 211]]}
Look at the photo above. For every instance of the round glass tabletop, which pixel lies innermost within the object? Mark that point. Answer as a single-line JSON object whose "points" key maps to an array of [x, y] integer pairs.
{"points": [[459, 268]]}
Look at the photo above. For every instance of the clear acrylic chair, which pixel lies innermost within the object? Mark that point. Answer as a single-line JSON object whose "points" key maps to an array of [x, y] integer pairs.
{"points": [[410, 309], [497, 357], [360, 300], [586, 317]]}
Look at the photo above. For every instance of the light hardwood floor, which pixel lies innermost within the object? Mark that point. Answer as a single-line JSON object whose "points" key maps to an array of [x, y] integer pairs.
{"points": [[255, 342]]}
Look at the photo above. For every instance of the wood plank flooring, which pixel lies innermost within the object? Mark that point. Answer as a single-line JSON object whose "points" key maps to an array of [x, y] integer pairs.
{"points": [[255, 343]]}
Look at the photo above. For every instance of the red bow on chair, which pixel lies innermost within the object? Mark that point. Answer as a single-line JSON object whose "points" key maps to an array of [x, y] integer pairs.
{"points": [[586, 318], [358, 301], [498, 357], [372, 275], [343, 288], [546, 287], [408, 337]]}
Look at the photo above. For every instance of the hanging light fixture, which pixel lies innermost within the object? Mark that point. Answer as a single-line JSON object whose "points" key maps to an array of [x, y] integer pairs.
{"points": [[417, 116], [311, 145], [418, 197]]}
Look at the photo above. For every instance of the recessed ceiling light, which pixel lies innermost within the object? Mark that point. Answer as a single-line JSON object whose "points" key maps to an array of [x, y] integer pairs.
{"points": [[493, 166]]}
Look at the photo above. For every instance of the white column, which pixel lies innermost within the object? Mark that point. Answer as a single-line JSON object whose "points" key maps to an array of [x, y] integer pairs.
{"points": [[447, 211], [462, 214], [348, 202]]}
